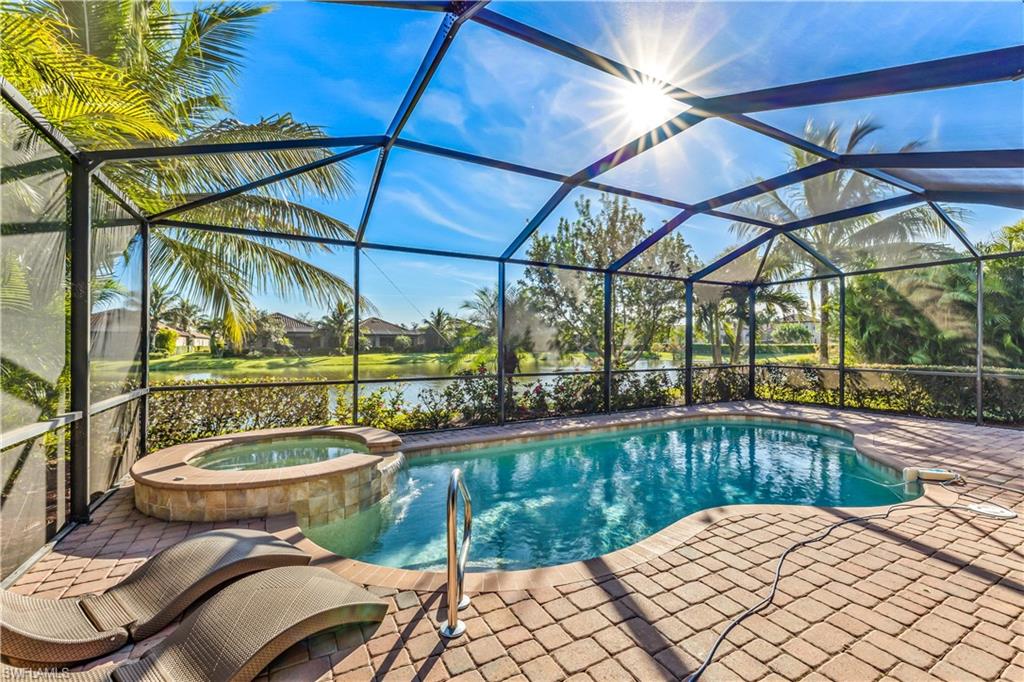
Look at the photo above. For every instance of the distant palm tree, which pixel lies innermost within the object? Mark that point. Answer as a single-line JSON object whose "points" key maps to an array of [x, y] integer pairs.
{"points": [[483, 309], [867, 240], [161, 306], [186, 316], [337, 326], [442, 322], [117, 74]]}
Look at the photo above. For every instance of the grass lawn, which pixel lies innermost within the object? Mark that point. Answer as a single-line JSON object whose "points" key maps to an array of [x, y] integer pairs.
{"points": [[372, 365]]}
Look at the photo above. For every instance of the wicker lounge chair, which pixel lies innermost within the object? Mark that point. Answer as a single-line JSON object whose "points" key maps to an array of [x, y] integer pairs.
{"points": [[242, 628], [69, 630]]}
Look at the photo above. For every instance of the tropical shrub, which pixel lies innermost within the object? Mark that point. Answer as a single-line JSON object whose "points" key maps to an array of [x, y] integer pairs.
{"points": [[720, 384], [647, 389], [792, 332], [815, 385], [179, 416], [166, 340], [470, 399], [943, 396], [403, 344], [565, 394]]}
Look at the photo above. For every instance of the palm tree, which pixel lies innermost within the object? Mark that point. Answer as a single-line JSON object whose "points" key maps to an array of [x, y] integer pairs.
{"points": [[863, 241], [442, 322], [115, 74], [161, 306], [337, 326], [483, 314], [186, 316]]}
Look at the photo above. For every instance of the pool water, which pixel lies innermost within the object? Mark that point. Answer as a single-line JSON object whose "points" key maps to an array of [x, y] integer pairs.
{"points": [[275, 454], [571, 498]]}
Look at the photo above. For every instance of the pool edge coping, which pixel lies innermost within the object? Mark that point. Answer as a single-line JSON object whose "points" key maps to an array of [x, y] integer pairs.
{"points": [[158, 469], [654, 545]]}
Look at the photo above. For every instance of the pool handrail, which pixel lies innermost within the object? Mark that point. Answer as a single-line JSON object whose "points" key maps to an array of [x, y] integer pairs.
{"points": [[454, 627]]}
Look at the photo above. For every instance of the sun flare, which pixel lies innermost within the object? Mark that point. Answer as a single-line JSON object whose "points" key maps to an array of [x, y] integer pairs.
{"points": [[646, 106]]}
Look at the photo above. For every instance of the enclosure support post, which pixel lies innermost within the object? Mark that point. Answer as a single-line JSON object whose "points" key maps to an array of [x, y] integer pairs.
{"points": [[81, 272], [751, 339], [842, 341], [355, 335], [607, 377], [501, 342], [688, 349], [144, 401], [980, 350]]}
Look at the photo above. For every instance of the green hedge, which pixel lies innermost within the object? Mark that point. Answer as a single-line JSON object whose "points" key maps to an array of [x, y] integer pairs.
{"points": [[186, 415], [183, 416], [897, 390]]}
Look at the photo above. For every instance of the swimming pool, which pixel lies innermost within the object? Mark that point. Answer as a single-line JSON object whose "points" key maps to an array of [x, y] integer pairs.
{"points": [[571, 498]]}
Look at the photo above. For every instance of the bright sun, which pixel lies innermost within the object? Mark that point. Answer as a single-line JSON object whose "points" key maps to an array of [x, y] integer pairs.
{"points": [[646, 105]]}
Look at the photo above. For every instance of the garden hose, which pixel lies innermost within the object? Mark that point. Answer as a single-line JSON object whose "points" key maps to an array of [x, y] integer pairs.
{"points": [[986, 509]]}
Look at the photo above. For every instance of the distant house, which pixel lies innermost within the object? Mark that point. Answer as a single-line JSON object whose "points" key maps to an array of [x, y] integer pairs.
{"points": [[302, 335], [381, 334], [188, 340], [116, 330]]}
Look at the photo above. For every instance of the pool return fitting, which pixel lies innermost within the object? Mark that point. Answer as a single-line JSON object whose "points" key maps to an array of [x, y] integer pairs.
{"points": [[457, 599], [944, 477]]}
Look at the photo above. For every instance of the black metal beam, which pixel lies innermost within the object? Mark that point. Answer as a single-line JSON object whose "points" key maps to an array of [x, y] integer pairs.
{"points": [[842, 341], [764, 259], [771, 184], [356, 309], [1007, 199], [606, 388], [989, 158], [733, 255], [970, 69], [144, 404], [759, 187], [650, 240], [138, 153], [256, 184], [564, 48], [817, 255], [688, 349], [954, 227], [979, 343], [264, 234], [500, 331], [751, 340], [535, 222], [652, 138], [853, 212], [428, 66], [533, 172], [445, 152], [80, 248]]}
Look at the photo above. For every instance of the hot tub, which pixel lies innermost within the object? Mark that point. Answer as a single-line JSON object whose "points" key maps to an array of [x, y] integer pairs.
{"points": [[321, 473]]}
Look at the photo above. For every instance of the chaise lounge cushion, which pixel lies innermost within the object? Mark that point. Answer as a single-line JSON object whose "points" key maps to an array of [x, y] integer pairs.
{"points": [[67, 630]]}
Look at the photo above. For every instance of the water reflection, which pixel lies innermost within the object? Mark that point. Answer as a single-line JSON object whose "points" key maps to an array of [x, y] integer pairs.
{"points": [[562, 500]]}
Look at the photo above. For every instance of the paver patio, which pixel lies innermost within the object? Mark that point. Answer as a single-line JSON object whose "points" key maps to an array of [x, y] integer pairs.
{"points": [[927, 594]]}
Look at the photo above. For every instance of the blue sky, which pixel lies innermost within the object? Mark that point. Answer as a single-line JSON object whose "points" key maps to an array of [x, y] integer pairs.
{"points": [[346, 68]]}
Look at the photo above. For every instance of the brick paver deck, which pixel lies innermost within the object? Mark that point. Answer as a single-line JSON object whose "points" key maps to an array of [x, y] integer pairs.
{"points": [[927, 594]]}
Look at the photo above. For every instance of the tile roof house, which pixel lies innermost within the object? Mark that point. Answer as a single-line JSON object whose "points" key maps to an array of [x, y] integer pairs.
{"points": [[382, 334], [116, 331], [302, 335]]}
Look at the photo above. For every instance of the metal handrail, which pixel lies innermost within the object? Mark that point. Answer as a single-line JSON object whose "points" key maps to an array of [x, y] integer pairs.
{"points": [[457, 599]]}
